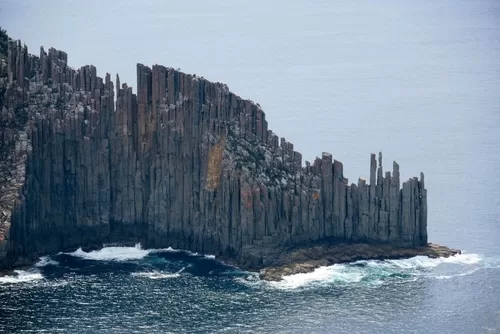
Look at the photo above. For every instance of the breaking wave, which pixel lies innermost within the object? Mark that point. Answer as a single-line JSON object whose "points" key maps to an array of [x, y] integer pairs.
{"points": [[21, 276], [169, 249], [456, 275], [376, 272], [174, 250], [46, 261], [123, 253], [158, 274], [114, 253], [421, 262], [337, 273]]}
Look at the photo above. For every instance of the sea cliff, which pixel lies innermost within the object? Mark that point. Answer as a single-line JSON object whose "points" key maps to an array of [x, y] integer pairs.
{"points": [[183, 162]]}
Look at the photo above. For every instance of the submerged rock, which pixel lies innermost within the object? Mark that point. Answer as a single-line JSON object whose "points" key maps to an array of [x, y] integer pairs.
{"points": [[183, 163]]}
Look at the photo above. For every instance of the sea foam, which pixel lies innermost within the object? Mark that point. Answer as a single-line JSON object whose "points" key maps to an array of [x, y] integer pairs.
{"points": [[21, 276], [158, 274], [115, 253], [338, 273], [46, 261], [422, 262], [374, 272], [121, 253]]}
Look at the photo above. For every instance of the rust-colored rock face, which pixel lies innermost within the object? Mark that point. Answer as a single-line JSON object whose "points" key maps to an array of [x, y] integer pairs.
{"points": [[214, 168], [184, 163]]}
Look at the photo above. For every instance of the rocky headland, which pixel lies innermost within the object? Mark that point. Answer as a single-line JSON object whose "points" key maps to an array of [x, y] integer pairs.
{"points": [[184, 163]]}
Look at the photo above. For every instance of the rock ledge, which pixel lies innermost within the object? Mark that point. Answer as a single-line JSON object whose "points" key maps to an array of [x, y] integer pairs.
{"points": [[305, 260]]}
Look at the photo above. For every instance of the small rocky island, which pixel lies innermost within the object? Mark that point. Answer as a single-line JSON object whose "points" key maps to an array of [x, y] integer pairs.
{"points": [[184, 163]]}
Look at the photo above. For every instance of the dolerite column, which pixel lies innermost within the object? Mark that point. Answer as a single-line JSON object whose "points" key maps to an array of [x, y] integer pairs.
{"points": [[317, 216], [11, 61], [23, 59], [382, 217], [246, 212], [380, 173], [304, 202], [330, 220], [394, 205], [198, 92], [384, 208], [296, 223], [350, 209], [339, 200], [372, 201], [407, 224], [142, 117], [259, 213], [423, 211], [415, 211], [363, 225]]}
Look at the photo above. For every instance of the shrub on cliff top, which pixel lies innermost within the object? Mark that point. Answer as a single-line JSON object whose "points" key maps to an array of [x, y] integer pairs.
{"points": [[4, 40]]}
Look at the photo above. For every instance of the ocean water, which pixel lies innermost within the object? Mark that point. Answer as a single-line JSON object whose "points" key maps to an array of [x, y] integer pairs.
{"points": [[418, 80], [128, 289]]}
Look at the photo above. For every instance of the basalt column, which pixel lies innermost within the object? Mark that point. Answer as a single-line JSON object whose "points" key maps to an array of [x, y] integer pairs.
{"points": [[182, 163]]}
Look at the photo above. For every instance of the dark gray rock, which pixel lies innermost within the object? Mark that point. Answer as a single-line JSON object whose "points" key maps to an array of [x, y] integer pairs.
{"points": [[182, 163]]}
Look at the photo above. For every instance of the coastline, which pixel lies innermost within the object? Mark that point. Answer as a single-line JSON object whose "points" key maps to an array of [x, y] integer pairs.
{"points": [[307, 259]]}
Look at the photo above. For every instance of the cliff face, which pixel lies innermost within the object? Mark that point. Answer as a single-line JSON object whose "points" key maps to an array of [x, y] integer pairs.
{"points": [[182, 163]]}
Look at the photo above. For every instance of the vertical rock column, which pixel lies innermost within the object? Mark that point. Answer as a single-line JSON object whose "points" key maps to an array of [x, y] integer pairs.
{"points": [[330, 211], [423, 211], [184, 163]]}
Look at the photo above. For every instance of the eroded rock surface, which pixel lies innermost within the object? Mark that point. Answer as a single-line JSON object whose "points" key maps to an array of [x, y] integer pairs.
{"points": [[182, 163], [307, 259]]}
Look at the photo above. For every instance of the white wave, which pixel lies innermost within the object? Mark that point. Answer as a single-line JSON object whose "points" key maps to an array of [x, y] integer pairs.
{"points": [[21, 276], [46, 261], [169, 249], [463, 259], [158, 274], [174, 250], [338, 273], [56, 283], [423, 262], [375, 272], [470, 272], [252, 279], [124, 253], [113, 253]]}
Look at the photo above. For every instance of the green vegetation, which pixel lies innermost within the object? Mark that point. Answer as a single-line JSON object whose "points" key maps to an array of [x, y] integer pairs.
{"points": [[4, 40]]}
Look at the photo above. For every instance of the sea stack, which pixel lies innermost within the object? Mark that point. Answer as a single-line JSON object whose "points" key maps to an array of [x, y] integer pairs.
{"points": [[183, 162]]}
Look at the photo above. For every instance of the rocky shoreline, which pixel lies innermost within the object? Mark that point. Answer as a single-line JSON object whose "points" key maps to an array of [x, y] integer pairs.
{"points": [[307, 259]]}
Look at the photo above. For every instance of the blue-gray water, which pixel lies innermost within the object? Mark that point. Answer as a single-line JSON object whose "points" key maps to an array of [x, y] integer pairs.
{"points": [[419, 80]]}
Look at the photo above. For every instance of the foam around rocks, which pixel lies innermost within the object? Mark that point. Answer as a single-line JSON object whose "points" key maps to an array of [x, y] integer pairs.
{"points": [[21, 276], [306, 260], [113, 253]]}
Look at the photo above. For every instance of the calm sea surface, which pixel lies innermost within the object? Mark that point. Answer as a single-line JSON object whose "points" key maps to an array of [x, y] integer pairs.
{"points": [[417, 80]]}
